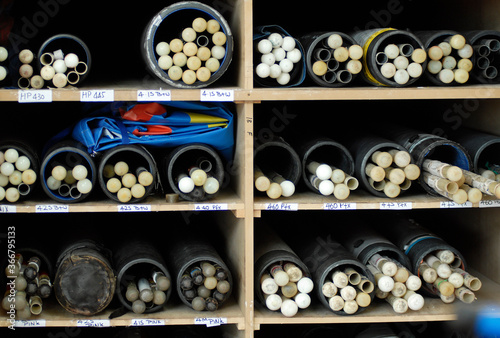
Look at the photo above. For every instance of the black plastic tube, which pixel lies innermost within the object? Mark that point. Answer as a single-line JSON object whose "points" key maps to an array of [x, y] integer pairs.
{"points": [[23, 148], [270, 249], [362, 148], [422, 146], [314, 41], [324, 150], [417, 242], [68, 153], [84, 283], [135, 156], [478, 38], [180, 159], [278, 156], [374, 41], [323, 254], [168, 24], [134, 259]]}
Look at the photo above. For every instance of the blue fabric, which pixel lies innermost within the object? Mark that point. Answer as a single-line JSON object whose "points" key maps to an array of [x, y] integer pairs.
{"points": [[105, 128]]}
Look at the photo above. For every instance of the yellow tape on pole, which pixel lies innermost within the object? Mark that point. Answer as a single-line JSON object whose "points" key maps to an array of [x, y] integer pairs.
{"points": [[366, 71]]}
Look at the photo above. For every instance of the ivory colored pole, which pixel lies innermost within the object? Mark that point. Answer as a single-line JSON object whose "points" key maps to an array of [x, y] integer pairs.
{"points": [[355, 52], [395, 175], [341, 191], [419, 55], [262, 183], [440, 183], [401, 158], [445, 47], [474, 195], [268, 284], [274, 190], [280, 276], [391, 190], [435, 53], [399, 289], [341, 54], [348, 293], [293, 271], [413, 283], [461, 75], [287, 186], [412, 171], [363, 299], [383, 264], [456, 279], [334, 41], [350, 307], [388, 70], [465, 295], [384, 283], [427, 273], [399, 305], [336, 303], [445, 256], [470, 281], [340, 279], [443, 286], [329, 289], [415, 300], [375, 172], [457, 41], [445, 170], [401, 274], [443, 270], [382, 158], [338, 175], [392, 51]]}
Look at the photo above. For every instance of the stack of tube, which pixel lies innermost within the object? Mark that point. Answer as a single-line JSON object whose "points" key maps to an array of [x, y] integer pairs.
{"points": [[391, 171], [401, 62], [457, 184], [441, 271], [198, 177], [4, 54], [16, 175], [73, 182], [28, 285], [286, 288], [62, 68], [278, 57], [148, 292], [336, 62], [486, 45], [347, 290], [205, 286], [189, 58], [125, 184], [273, 184], [330, 180], [450, 60], [28, 78], [395, 284]]}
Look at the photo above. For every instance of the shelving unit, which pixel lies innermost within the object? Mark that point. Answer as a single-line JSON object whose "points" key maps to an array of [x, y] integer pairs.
{"points": [[238, 207]]}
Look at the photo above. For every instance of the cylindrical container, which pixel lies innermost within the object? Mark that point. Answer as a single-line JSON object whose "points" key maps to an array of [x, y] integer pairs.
{"points": [[61, 45], [25, 165], [136, 157], [270, 249], [324, 150], [85, 282], [183, 158], [363, 241], [422, 146], [486, 44], [362, 148], [281, 63], [323, 255], [168, 25], [317, 49], [483, 148], [276, 155], [135, 259], [67, 154], [373, 42], [434, 38], [188, 251], [417, 242]]}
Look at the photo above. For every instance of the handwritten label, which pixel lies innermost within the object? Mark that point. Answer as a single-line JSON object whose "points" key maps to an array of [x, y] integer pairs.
{"points": [[6, 209], [96, 95], [134, 208], [154, 95], [92, 323], [210, 207], [50, 208], [280, 206], [209, 322], [217, 95], [34, 96], [396, 205], [489, 203], [339, 206], [147, 322], [451, 205], [30, 323]]}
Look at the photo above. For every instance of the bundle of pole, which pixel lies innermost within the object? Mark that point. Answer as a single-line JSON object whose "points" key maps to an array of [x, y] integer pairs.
{"points": [[205, 285], [125, 182], [198, 179], [16, 175], [348, 290], [273, 184], [62, 68], [457, 184], [330, 180], [400, 62], [147, 291], [441, 272], [4, 54], [391, 171], [450, 60], [30, 284], [278, 57], [395, 284], [286, 288], [336, 60], [70, 181], [196, 55]]}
